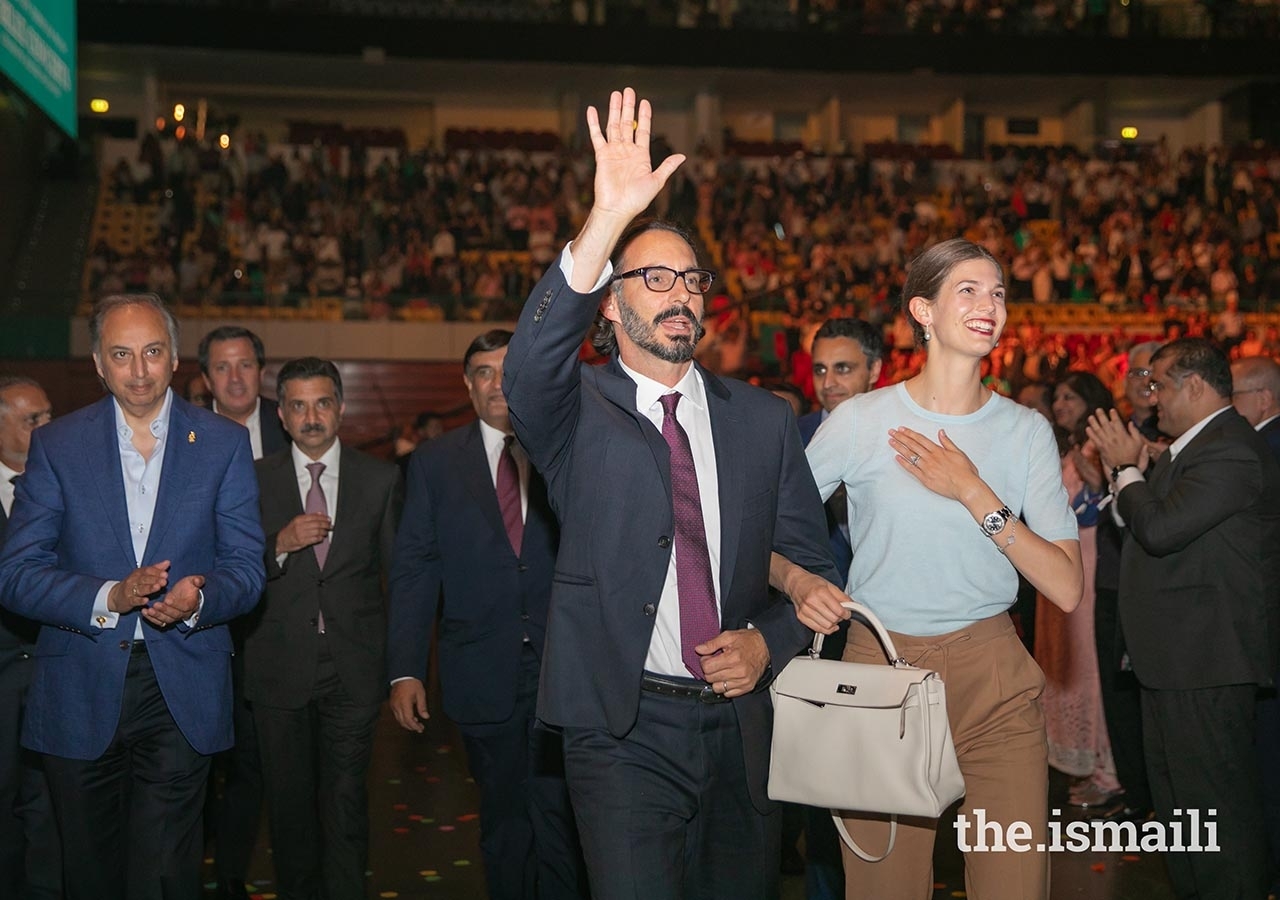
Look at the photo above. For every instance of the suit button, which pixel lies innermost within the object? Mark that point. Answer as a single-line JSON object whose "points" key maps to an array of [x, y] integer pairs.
{"points": [[524, 617], [522, 568], [126, 645], [311, 622], [664, 542], [320, 583], [26, 655], [650, 609]]}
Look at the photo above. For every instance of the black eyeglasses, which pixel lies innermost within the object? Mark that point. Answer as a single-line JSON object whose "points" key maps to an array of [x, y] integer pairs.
{"points": [[663, 279]]}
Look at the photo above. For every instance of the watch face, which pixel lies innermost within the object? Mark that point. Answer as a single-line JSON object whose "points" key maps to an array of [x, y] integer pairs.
{"points": [[993, 523]]}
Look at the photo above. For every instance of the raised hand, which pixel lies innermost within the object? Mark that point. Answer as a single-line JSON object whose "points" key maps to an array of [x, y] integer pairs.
{"points": [[625, 182]]}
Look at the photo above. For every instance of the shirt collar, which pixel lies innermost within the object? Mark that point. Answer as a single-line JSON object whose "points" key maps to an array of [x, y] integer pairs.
{"points": [[6, 473], [329, 458], [492, 437], [1261, 425], [159, 425], [1189, 435], [648, 391]]}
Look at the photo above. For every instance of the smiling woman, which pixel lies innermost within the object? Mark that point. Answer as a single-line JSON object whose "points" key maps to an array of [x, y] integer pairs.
{"points": [[938, 543]]}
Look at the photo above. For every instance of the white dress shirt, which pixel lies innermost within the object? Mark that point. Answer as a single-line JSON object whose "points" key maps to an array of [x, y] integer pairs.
{"points": [[141, 486], [695, 418], [254, 424], [6, 488], [494, 440], [328, 483]]}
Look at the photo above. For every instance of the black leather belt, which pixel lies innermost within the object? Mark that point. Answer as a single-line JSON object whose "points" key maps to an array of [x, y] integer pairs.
{"points": [[683, 688]]}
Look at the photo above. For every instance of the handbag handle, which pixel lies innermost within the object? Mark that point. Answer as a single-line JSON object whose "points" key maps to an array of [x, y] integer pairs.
{"points": [[862, 612]]}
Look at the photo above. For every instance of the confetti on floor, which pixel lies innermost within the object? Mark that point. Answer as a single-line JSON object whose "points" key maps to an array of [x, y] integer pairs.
{"points": [[1099, 867], [427, 873], [1131, 858], [462, 862], [400, 830], [468, 817], [446, 828], [389, 894], [400, 807]]}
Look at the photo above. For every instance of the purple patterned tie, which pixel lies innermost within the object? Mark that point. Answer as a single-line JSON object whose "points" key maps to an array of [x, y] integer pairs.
{"points": [[316, 504], [509, 495], [699, 620]]}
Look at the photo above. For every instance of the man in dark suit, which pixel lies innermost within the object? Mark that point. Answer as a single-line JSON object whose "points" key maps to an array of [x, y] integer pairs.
{"points": [[672, 488], [231, 362], [464, 531], [315, 663], [135, 535], [1255, 394], [1199, 599], [30, 861]]}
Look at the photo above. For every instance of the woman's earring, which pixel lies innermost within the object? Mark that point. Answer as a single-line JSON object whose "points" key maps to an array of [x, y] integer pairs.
{"points": [[927, 336]]}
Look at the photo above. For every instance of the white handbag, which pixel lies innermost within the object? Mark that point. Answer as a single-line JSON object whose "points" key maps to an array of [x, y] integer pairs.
{"points": [[861, 737]]}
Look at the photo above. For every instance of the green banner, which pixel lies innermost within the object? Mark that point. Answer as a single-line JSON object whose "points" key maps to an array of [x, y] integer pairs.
{"points": [[38, 53]]}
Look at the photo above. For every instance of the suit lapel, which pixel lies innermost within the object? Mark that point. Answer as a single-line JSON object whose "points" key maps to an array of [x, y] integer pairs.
{"points": [[473, 469], [179, 462], [729, 435], [618, 388], [110, 480], [350, 499]]}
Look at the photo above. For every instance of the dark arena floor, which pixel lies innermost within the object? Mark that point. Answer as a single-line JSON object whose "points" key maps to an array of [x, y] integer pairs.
{"points": [[425, 834]]}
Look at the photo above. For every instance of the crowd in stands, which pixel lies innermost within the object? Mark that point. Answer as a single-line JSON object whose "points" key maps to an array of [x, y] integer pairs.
{"points": [[464, 234]]}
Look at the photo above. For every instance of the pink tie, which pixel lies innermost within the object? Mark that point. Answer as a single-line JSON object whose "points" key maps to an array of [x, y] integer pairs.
{"points": [[316, 504], [699, 620]]}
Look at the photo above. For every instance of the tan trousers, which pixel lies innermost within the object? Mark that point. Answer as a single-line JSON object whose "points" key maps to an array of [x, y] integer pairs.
{"points": [[993, 704]]}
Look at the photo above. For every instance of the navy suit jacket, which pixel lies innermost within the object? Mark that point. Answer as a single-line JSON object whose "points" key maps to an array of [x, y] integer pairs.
{"points": [[274, 437], [809, 423], [453, 554], [609, 479], [1199, 572], [1271, 434], [279, 661], [69, 535]]}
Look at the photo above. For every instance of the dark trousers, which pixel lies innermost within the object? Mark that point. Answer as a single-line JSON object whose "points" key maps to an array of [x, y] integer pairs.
{"points": [[1268, 752], [30, 851], [237, 813], [528, 840], [131, 820], [664, 812], [1121, 702], [1200, 756], [315, 763]]}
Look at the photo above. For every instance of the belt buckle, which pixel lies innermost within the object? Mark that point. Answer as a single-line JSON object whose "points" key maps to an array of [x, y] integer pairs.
{"points": [[708, 695]]}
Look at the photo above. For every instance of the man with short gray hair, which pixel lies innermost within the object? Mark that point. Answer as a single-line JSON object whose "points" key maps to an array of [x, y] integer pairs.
{"points": [[135, 534]]}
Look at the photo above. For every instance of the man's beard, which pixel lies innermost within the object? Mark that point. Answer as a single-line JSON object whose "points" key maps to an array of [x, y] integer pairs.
{"points": [[645, 334]]}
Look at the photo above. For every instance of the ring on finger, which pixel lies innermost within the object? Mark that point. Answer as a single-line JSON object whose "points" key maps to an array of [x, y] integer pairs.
{"points": [[725, 685], [915, 460]]}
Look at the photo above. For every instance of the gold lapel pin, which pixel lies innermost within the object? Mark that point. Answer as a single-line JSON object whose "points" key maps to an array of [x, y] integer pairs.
{"points": [[191, 437]]}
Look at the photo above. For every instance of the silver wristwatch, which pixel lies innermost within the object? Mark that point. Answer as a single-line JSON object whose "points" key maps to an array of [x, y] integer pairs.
{"points": [[994, 522]]}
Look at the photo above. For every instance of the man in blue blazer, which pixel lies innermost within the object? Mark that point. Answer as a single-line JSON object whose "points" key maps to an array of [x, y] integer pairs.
{"points": [[134, 539], [673, 488], [488, 567]]}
